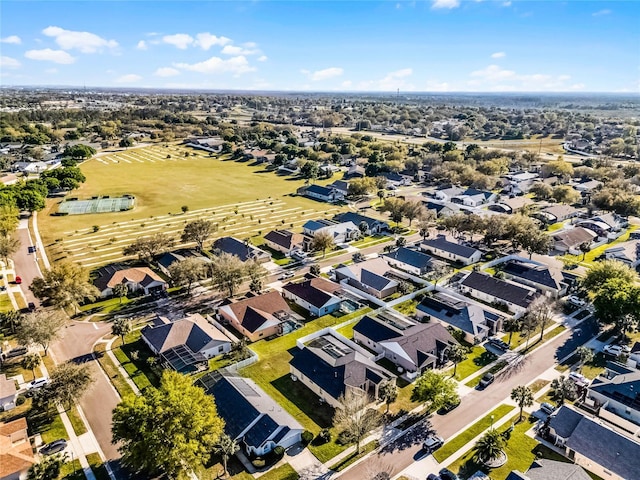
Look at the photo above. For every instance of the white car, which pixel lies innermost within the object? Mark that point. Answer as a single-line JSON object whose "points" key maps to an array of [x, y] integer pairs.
{"points": [[286, 275], [616, 350], [579, 379], [577, 301], [37, 383]]}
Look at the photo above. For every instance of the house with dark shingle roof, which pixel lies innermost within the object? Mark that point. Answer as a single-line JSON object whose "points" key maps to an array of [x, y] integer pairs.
{"points": [[341, 232], [324, 194], [259, 317], [374, 226], [472, 197], [318, 296], [329, 365], [414, 347], [243, 250], [169, 258], [443, 248], [540, 277], [369, 276], [475, 321], [251, 416], [593, 445], [16, 453], [412, 261], [493, 290], [626, 252], [545, 469], [135, 278], [616, 397], [284, 241], [341, 186]]}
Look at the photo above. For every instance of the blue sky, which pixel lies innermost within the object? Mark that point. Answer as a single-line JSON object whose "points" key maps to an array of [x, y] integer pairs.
{"points": [[429, 45]]}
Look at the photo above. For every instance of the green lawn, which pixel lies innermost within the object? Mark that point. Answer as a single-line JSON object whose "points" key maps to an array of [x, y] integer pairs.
{"points": [[271, 372], [408, 307], [98, 468], [133, 356], [5, 303], [538, 385], [54, 430], [371, 241], [477, 358], [456, 443], [112, 371], [76, 421], [283, 472], [555, 227], [351, 459]]}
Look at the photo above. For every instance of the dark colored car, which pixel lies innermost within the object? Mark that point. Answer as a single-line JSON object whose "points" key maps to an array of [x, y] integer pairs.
{"points": [[486, 380], [496, 342], [446, 474], [433, 476], [54, 447], [31, 306], [15, 352]]}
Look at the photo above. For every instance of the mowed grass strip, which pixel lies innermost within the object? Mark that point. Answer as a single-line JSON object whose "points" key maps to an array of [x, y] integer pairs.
{"points": [[455, 444]]}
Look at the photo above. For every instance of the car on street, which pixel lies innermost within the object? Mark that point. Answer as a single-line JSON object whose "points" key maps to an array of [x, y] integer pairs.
{"points": [[31, 306], [286, 275], [579, 379], [498, 343], [433, 442], [616, 350], [486, 380], [37, 383], [446, 474], [14, 352], [54, 447], [577, 301], [433, 476], [547, 408], [18, 280]]}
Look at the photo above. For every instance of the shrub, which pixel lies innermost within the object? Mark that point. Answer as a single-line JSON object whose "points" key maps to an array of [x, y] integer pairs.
{"points": [[307, 436], [325, 435], [258, 463], [20, 400], [96, 228], [278, 452]]}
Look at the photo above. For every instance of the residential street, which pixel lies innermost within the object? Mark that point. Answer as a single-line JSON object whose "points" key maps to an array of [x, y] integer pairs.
{"points": [[473, 406], [25, 263]]}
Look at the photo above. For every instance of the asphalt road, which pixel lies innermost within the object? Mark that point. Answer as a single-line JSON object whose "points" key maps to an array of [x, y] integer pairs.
{"points": [[473, 406], [25, 263]]}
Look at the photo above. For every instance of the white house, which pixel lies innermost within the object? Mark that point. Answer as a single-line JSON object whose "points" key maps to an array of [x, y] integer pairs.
{"points": [[626, 252], [135, 278], [411, 261], [342, 232], [455, 252], [8, 393], [317, 295], [493, 290]]}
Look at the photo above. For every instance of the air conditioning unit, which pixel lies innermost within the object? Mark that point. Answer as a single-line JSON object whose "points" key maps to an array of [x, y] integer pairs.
{"points": [[294, 378]]}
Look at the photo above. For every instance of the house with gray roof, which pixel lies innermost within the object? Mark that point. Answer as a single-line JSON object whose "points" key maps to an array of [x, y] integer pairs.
{"points": [[169, 258], [545, 469], [626, 252], [594, 445], [569, 240], [317, 295], [324, 194], [251, 416], [446, 194], [374, 277], [412, 261], [284, 241], [243, 250], [342, 232], [495, 291], [476, 322], [559, 213], [616, 396], [413, 347], [452, 251], [8, 393], [374, 226], [472, 197], [541, 277]]}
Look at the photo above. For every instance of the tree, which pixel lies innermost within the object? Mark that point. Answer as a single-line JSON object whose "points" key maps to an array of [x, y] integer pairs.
{"points": [[457, 354], [353, 416], [64, 284], [563, 388], [69, 382], [617, 301], [8, 246], [48, 468], [605, 270], [121, 327], [395, 207], [184, 208], [381, 194], [489, 447], [585, 248], [187, 271], [559, 168], [226, 447], [8, 219], [585, 354], [401, 241], [435, 389], [314, 269], [120, 290], [79, 151], [523, 396], [363, 227], [199, 232], [511, 325], [541, 190], [11, 318], [256, 273], [30, 200], [535, 241], [148, 247], [31, 361], [427, 221], [413, 210], [566, 194], [126, 142], [321, 242], [40, 328], [310, 170], [171, 429], [493, 227], [227, 272], [438, 271], [388, 392], [541, 311]]}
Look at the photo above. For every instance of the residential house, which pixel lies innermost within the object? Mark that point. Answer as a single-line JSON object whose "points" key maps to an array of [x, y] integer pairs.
{"points": [[474, 198], [588, 186], [284, 241], [476, 322], [443, 248], [570, 240], [342, 232], [371, 277], [186, 344], [495, 291], [324, 194], [396, 179], [412, 347], [329, 365], [30, 167], [448, 193], [519, 183], [318, 296], [626, 252], [412, 261], [594, 445], [135, 278], [340, 186], [615, 222], [545, 469], [511, 205], [541, 277], [601, 229], [16, 453], [8, 393], [374, 226], [251, 417], [261, 316], [243, 250], [440, 209], [355, 171], [212, 145], [559, 213], [169, 258]]}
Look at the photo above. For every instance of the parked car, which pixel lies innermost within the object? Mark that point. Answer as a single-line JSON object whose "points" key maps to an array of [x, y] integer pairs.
{"points": [[433, 476], [446, 474], [579, 379], [547, 408], [37, 383], [18, 280], [616, 350], [486, 380], [31, 306], [433, 442], [286, 275], [15, 352], [54, 447], [496, 342], [577, 301]]}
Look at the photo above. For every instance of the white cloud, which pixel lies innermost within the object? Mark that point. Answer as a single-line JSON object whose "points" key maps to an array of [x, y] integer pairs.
{"points": [[263, 58], [506, 4], [142, 45], [236, 65], [206, 40], [600, 13], [347, 83], [493, 73], [498, 55], [49, 55], [577, 86], [16, 40], [445, 4], [179, 40], [51, 71], [391, 81], [324, 74], [166, 72], [8, 62], [129, 78], [495, 78], [236, 50], [86, 42]]}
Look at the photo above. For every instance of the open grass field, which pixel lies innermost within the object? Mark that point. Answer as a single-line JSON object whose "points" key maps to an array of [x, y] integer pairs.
{"points": [[244, 199]]}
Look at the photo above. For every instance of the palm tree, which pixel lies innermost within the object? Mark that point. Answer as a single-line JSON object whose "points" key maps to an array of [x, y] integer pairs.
{"points": [[389, 393], [31, 362], [489, 446], [523, 396], [12, 319], [226, 447], [457, 354], [511, 325], [120, 327], [585, 355], [563, 388]]}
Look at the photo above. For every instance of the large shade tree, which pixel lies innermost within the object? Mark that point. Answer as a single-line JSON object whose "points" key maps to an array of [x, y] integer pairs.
{"points": [[435, 389], [354, 417], [41, 328], [65, 284]]}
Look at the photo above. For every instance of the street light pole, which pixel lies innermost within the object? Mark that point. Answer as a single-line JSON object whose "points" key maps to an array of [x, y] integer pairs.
{"points": [[491, 428]]}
